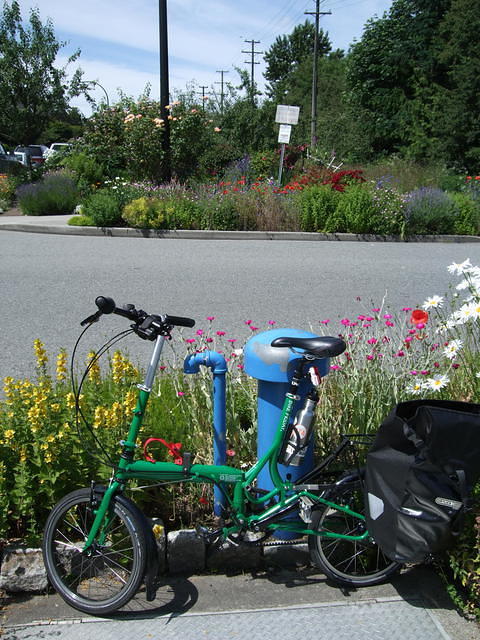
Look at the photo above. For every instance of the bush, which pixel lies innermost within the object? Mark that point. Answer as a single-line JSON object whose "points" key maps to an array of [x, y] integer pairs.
{"points": [[161, 213], [355, 212], [429, 211], [88, 172], [316, 205], [56, 193], [7, 191], [81, 221], [102, 208], [467, 221]]}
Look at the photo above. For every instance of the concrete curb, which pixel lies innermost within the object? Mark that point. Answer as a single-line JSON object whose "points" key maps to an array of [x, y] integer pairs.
{"points": [[60, 227], [180, 552]]}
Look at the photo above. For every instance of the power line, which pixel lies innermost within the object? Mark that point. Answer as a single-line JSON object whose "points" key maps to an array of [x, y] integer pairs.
{"points": [[313, 124], [253, 62], [221, 82]]}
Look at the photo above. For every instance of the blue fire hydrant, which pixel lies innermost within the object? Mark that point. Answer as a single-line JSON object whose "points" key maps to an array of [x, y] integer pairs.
{"points": [[273, 367]]}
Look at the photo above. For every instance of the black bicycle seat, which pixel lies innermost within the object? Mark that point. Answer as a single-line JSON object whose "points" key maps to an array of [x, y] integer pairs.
{"points": [[320, 346]]}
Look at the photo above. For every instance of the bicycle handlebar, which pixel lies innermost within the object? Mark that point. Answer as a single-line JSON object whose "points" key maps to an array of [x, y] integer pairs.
{"points": [[145, 325]]}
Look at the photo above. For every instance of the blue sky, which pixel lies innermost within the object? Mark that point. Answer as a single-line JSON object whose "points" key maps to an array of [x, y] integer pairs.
{"points": [[119, 40]]}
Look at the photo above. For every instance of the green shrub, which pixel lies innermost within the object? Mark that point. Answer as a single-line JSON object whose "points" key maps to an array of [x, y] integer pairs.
{"points": [[102, 208], [355, 212], [81, 221], [429, 211], [263, 164], [56, 193], [161, 213], [88, 172], [389, 218], [467, 221], [317, 204]]}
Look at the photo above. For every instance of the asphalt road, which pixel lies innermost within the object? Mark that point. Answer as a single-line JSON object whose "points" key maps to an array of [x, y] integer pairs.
{"points": [[49, 283]]}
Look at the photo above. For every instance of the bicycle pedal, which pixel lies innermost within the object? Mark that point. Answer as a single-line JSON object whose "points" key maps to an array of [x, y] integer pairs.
{"points": [[207, 535]]}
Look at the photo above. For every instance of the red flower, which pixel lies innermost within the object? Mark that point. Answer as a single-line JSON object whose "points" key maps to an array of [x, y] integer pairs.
{"points": [[419, 317]]}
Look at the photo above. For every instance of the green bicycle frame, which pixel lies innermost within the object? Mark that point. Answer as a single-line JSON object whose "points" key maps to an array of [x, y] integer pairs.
{"points": [[284, 494]]}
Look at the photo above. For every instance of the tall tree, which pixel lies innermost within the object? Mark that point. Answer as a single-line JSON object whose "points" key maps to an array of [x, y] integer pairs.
{"points": [[288, 52], [33, 91], [457, 123], [392, 70]]}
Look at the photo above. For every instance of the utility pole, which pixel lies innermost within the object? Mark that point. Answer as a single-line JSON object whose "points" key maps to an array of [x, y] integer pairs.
{"points": [[313, 123], [253, 53], [203, 87], [164, 88], [221, 82]]}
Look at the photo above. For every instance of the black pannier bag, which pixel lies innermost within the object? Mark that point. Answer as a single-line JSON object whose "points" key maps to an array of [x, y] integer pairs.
{"points": [[420, 471]]}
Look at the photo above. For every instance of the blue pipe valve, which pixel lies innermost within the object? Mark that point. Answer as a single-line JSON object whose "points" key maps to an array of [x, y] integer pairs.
{"points": [[218, 365]]}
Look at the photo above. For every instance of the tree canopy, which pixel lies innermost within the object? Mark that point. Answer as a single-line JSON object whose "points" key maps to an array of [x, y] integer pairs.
{"points": [[33, 91]]}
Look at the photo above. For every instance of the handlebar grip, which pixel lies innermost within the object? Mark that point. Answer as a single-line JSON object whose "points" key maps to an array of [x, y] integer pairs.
{"points": [[104, 304], [178, 321]]}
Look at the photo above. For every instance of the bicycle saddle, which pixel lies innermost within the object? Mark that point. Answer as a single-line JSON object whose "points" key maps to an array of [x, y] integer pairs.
{"points": [[320, 346]]}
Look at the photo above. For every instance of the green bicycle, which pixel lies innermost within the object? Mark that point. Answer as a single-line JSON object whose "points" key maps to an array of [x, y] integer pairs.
{"points": [[99, 547]]}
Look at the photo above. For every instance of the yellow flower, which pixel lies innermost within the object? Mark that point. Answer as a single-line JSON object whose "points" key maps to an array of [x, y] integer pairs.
{"points": [[23, 455], [130, 402], [115, 415], [40, 353], [70, 400], [99, 417], [9, 433], [94, 372], [62, 365]]}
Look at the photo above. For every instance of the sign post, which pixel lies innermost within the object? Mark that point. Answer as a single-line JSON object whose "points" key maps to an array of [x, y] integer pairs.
{"points": [[286, 115]]}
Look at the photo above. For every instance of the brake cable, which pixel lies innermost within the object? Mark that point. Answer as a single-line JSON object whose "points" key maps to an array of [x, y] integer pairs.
{"points": [[77, 390]]}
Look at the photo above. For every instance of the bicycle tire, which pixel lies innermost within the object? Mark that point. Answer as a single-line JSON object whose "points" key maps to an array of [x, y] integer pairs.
{"points": [[104, 581], [347, 562]]}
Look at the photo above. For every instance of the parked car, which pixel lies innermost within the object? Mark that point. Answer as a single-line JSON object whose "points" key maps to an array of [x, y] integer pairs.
{"points": [[55, 147], [32, 154], [6, 158]]}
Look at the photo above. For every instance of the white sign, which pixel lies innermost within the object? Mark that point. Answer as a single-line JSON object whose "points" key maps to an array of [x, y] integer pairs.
{"points": [[286, 114], [284, 133]]}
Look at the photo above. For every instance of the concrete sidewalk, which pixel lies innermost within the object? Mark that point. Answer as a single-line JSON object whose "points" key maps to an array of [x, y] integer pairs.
{"points": [[291, 603], [59, 225]]}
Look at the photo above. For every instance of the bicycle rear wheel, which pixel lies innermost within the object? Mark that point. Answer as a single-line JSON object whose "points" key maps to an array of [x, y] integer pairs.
{"points": [[104, 579], [347, 562]]}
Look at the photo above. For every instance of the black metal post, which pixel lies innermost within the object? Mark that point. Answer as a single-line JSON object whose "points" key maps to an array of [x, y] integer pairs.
{"points": [[164, 87]]}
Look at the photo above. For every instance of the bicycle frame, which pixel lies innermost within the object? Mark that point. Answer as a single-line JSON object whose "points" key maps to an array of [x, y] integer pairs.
{"points": [[284, 497]]}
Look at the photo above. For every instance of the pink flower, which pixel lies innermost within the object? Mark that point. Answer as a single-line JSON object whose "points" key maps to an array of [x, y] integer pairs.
{"points": [[209, 340], [369, 318], [230, 453], [389, 324], [190, 340], [408, 339], [240, 366], [253, 328], [271, 322], [248, 322], [210, 318], [370, 357], [413, 372], [387, 316], [372, 341], [200, 332], [424, 372], [376, 310], [407, 309], [325, 321], [220, 333], [180, 393], [232, 340], [436, 364], [420, 325], [400, 353], [360, 317], [334, 367], [345, 322]]}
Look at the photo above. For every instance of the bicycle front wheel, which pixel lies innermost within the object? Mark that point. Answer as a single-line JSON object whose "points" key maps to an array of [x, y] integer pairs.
{"points": [[347, 562], [106, 577]]}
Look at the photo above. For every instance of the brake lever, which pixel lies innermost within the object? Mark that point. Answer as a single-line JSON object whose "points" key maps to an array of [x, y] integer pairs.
{"points": [[91, 319]]}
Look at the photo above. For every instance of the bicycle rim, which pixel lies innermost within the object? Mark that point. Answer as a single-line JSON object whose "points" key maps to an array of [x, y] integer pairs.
{"points": [[348, 562], [106, 578]]}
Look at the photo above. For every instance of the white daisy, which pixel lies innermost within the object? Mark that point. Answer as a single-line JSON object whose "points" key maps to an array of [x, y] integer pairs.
{"points": [[458, 268], [466, 313], [433, 302], [415, 388], [452, 349], [437, 382]]}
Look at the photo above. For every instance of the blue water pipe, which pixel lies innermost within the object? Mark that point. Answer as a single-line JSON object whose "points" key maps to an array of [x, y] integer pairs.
{"points": [[217, 363]]}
